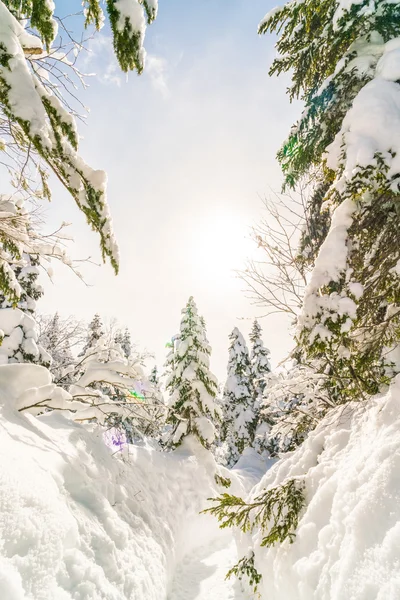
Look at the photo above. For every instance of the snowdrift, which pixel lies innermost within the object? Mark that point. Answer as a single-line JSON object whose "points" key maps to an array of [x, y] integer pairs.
{"points": [[347, 545], [78, 523]]}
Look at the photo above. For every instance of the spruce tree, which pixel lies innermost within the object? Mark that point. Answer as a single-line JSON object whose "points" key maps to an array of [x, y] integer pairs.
{"points": [[260, 363], [192, 386], [95, 332], [344, 65], [157, 408], [239, 419], [260, 369], [127, 343]]}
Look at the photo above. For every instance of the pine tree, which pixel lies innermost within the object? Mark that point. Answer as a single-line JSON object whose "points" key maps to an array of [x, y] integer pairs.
{"points": [[192, 386], [239, 419], [350, 320]]}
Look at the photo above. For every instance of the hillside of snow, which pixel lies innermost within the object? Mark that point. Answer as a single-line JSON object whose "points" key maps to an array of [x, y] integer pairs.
{"points": [[347, 545], [79, 523]]}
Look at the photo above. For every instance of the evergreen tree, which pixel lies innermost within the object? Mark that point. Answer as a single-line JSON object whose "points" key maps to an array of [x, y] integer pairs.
{"points": [[154, 379], [127, 343], [119, 338], [58, 346], [260, 364], [239, 419], [192, 386], [40, 127], [260, 369], [157, 408], [350, 320], [19, 287], [95, 332]]}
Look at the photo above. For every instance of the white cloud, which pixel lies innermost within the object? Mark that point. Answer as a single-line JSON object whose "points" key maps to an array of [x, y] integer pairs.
{"points": [[156, 70], [100, 56]]}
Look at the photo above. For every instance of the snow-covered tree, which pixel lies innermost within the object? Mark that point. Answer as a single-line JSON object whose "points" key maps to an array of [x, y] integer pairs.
{"points": [[192, 386], [126, 343], [260, 365], [156, 406], [112, 386], [23, 250], [61, 337], [94, 333], [350, 321], [260, 370], [38, 131], [239, 418]]}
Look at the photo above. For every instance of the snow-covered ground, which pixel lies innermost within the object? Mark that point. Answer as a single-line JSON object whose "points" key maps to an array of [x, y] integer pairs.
{"points": [[78, 523], [347, 545], [201, 574]]}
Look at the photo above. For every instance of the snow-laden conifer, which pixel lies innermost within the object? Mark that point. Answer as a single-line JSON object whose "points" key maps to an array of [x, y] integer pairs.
{"points": [[94, 333], [126, 343], [260, 363], [37, 79], [347, 143], [260, 371], [239, 419], [156, 406], [192, 386]]}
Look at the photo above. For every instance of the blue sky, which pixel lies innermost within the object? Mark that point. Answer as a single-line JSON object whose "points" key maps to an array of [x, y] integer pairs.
{"points": [[189, 148]]}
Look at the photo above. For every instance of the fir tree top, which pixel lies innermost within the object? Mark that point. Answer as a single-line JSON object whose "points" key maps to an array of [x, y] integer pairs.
{"points": [[238, 362], [259, 353]]}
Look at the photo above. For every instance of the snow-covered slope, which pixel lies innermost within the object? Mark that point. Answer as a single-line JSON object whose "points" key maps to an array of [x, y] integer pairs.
{"points": [[76, 522], [347, 545]]}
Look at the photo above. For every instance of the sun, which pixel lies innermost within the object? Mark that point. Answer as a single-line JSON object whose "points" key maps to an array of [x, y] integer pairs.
{"points": [[220, 244]]}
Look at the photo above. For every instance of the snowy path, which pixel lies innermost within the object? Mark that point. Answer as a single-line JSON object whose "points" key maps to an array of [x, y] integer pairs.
{"points": [[201, 575]]}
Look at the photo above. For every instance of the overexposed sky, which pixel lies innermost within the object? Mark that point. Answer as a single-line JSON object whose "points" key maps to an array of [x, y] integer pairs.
{"points": [[189, 148]]}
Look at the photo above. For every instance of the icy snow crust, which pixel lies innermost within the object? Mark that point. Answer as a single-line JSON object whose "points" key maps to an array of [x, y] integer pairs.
{"points": [[347, 546], [78, 523]]}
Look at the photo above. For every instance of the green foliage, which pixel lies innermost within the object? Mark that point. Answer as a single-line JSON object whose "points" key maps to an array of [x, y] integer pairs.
{"points": [[224, 481], [276, 512], [93, 13], [50, 140], [245, 567], [42, 20], [332, 54], [151, 12], [311, 44], [40, 14], [127, 41]]}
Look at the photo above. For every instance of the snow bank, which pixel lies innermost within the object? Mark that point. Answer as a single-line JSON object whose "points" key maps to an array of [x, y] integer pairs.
{"points": [[348, 541], [78, 523]]}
